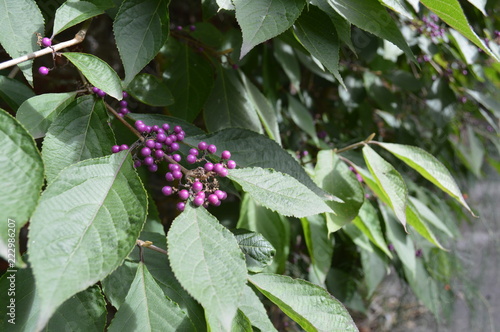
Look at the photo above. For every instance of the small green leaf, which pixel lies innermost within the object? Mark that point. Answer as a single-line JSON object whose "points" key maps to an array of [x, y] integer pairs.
{"points": [[22, 179], [253, 308], [263, 20], [38, 112], [146, 307], [259, 253], [451, 13], [13, 92], [79, 132], [274, 227], [429, 167], [301, 116], [73, 12], [279, 192], [335, 177], [311, 306], [389, 181], [315, 31], [20, 20], [368, 222], [149, 90], [141, 28], [98, 72], [98, 208], [216, 273], [375, 269], [228, 105]]}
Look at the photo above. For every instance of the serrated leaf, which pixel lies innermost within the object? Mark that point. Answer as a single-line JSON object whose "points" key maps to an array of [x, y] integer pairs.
{"points": [[38, 112], [320, 247], [429, 167], [13, 92], [311, 306], [146, 307], [141, 28], [389, 181], [315, 31], [451, 13], [20, 20], [279, 192], [98, 72], [227, 105], [79, 132], [149, 90], [73, 12], [250, 149], [263, 20], [371, 16], [333, 175], [216, 274], [190, 78], [253, 308], [98, 208], [274, 227], [368, 222], [22, 178], [258, 252]]}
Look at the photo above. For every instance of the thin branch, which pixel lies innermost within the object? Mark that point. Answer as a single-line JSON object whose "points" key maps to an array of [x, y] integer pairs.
{"points": [[79, 37], [125, 123], [368, 140], [149, 244]]}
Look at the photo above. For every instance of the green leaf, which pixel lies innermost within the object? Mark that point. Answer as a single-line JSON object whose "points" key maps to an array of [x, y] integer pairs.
{"points": [[419, 224], [146, 307], [259, 253], [371, 16], [160, 119], [98, 72], [375, 269], [389, 181], [320, 247], [288, 61], [20, 20], [426, 213], [13, 92], [98, 208], [79, 132], [216, 273], [274, 227], [335, 177], [38, 112], [264, 109], [279, 192], [250, 149], [301, 116], [399, 7], [22, 179], [451, 13], [241, 323], [141, 28], [149, 90], [429, 167], [190, 78], [263, 20], [228, 105], [315, 31], [311, 306], [368, 222], [253, 308], [73, 12]]}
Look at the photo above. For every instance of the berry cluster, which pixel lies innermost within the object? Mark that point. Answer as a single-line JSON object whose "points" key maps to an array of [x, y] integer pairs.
{"points": [[161, 143], [431, 28], [45, 42], [99, 92], [123, 106]]}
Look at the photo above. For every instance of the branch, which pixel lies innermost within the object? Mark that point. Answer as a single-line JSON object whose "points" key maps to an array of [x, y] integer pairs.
{"points": [[79, 37], [368, 140], [149, 244]]}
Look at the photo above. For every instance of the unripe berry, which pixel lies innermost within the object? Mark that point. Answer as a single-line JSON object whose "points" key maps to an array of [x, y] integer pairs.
{"points": [[226, 154], [181, 206], [212, 148], [198, 201], [213, 199], [197, 186], [231, 164], [202, 146], [167, 190], [43, 70], [115, 148], [191, 159], [183, 194], [46, 42], [123, 147]]}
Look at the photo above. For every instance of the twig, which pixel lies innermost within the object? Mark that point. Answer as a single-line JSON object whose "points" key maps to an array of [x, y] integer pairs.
{"points": [[368, 140], [149, 244], [79, 37], [122, 120]]}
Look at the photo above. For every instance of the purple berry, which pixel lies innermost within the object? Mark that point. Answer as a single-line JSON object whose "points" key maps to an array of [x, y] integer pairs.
{"points": [[115, 148], [167, 190], [138, 122], [202, 146], [183, 194], [150, 143], [180, 137], [141, 127], [159, 154], [158, 146], [222, 195], [177, 157], [179, 28], [201, 194], [46, 42], [137, 164], [177, 129], [145, 151], [213, 199], [177, 174], [191, 159], [198, 201], [174, 167], [155, 128], [169, 177], [123, 103], [208, 167], [226, 154], [193, 151], [161, 137], [101, 93], [218, 167], [168, 141], [181, 206], [212, 148], [123, 147], [419, 253], [174, 146], [43, 70], [231, 164], [153, 168], [149, 161], [197, 186], [94, 90], [223, 172], [125, 94], [192, 27], [166, 127]]}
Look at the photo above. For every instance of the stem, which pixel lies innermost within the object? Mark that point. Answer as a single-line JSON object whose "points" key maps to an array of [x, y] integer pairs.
{"points": [[149, 244], [79, 37], [122, 120], [368, 140]]}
